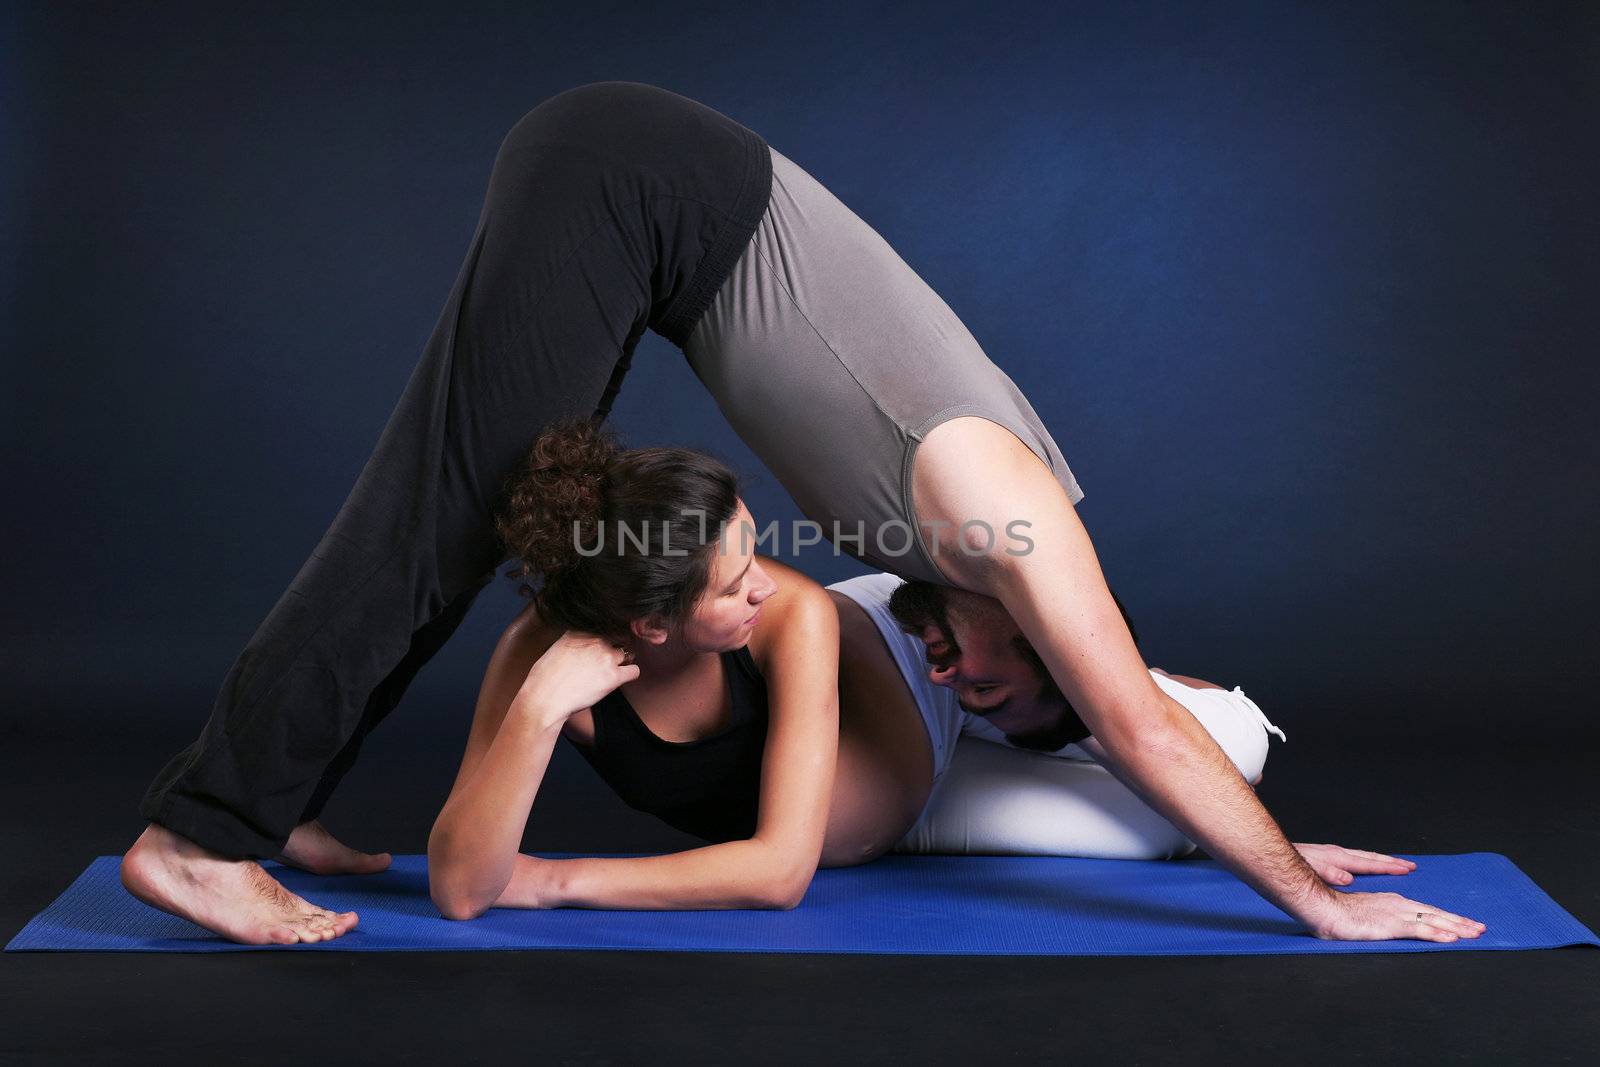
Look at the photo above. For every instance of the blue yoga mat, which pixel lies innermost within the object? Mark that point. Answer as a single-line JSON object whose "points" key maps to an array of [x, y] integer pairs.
{"points": [[897, 905]]}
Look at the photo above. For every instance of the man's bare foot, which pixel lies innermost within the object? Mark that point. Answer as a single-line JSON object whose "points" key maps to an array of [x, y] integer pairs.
{"points": [[235, 898], [311, 848]]}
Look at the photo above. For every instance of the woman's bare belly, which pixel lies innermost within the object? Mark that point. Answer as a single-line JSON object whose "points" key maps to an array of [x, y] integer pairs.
{"points": [[885, 768]]}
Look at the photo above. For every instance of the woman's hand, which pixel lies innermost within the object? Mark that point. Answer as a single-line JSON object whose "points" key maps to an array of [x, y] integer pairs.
{"points": [[1337, 865], [574, 672]]}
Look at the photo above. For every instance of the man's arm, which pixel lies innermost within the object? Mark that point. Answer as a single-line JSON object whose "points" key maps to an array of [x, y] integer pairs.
{"points": [[972, 473], [1166, 756], [1180, 770]]}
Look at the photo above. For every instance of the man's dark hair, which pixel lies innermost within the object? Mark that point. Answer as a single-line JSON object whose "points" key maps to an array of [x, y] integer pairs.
{"points": [[917, 604]]}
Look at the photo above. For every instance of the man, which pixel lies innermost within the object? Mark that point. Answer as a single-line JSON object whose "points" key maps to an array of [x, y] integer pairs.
{"points": [[987, 700]]}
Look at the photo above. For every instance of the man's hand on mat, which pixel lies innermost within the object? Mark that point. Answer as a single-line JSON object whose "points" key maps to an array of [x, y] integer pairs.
{"points": [[574, 673], [1336, 865], [1388, 916]]}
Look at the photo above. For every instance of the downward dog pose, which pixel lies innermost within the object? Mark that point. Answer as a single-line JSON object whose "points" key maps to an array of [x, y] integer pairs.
{"points": [[614, 208], [698, 686]]}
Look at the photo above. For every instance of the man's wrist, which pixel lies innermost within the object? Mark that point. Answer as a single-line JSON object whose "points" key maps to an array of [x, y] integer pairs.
{"points": [[1314, 906]]}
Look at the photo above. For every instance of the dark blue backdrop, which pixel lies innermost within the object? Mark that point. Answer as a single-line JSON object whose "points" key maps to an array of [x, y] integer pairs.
{"points": [[1306, 294]]}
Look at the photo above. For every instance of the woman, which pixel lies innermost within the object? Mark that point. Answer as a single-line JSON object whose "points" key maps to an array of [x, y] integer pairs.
{"points": [[740, 688], [698, 678]]}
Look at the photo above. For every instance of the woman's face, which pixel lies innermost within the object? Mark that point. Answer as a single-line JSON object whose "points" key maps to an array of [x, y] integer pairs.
{"points": [[725, 615]]}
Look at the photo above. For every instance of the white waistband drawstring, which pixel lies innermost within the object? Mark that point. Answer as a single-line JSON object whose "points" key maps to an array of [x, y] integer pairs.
{"points": [[1271, 729]]}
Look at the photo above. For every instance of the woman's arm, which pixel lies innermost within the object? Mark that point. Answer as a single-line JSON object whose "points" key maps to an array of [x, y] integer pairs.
{"points": [[536, 678], [797, 648]]}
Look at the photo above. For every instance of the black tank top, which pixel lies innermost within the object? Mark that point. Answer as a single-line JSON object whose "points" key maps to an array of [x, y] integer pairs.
{"points": [[708, 787]]}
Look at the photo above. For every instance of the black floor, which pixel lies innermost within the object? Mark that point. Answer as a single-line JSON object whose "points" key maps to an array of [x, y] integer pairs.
{"points": [[1533, 801]]}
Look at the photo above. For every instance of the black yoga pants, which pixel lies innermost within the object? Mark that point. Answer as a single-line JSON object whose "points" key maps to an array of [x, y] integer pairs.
{"points": [[612, 208]]}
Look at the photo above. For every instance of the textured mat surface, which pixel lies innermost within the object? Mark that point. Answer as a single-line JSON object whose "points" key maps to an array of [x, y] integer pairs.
{"points": [[918, 905]]}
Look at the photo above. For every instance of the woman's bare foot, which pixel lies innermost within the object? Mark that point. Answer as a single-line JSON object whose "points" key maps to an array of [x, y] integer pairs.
{"points": [[235, 898], [311, 848]]}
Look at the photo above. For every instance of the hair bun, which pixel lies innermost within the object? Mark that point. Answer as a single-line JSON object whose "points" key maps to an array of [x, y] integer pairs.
{"points": [[561, 482]]}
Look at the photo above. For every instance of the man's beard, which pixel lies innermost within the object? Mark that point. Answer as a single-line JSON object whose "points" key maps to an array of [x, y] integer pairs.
{"points": [[1064, 731], [1068, 728]]}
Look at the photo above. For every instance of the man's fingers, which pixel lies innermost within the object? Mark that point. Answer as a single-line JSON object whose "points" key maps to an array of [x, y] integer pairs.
{"points": [[1445, 920], [1446, 929], [1331, 874], [1426, 931], [1448, 916], [1379, 856], [1464, 927], [1376, 916], [1363, 865], [1363, 862]]}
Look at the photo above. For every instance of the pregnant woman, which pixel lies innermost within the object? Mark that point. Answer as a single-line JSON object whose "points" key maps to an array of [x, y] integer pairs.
{"points": [[614, 208], [697, 678]]}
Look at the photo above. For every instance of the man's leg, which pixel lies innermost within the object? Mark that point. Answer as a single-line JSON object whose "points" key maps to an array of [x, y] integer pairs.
{"points": [[410, 539], [535, 331], [312, 848], [424, 643]]}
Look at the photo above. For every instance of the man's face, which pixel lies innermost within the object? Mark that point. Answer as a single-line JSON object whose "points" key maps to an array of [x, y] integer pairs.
{"points": [[989, 667]]}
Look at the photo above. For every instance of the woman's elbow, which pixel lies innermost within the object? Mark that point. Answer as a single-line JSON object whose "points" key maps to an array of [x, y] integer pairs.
{"points": [[457, 909], [452, 899], [776, 898], [787, 901], [445, 888], [785, 890]]}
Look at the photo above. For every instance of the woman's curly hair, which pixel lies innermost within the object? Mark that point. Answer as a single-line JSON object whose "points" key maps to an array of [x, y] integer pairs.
{"points": [[616, 534]]}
